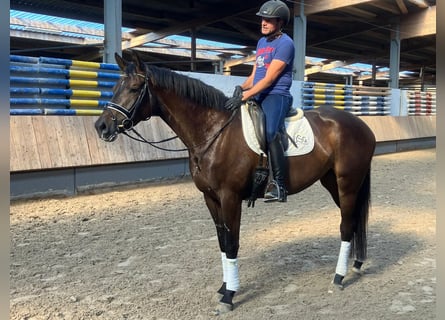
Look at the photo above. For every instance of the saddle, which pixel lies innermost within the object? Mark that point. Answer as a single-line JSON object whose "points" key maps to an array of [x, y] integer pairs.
{"points": [[259, 123]]}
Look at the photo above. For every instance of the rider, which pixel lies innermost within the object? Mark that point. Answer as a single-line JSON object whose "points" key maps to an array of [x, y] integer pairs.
{"points": [[269, 85]]}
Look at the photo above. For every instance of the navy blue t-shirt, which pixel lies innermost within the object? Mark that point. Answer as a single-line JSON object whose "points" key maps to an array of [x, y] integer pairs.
{"points": [[281, 48]]}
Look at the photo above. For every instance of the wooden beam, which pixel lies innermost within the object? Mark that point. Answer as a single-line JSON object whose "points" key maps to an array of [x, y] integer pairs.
{"points": [[418, 24], [177, 44], [387, 6], [420, 3], [341, 34], [235, 62], [179, 53], [316, 6], [153, 36], [334, 20], [379, 76], [325, 67], [358, 12], [244, 30], [178, 29], [402, 6]]}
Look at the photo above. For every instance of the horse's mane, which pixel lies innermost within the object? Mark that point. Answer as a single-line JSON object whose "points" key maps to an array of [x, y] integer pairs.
{"points": [[187, 87]]}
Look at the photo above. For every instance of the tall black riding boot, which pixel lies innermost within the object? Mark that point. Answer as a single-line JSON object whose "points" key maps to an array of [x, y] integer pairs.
{"points": [[276, 190]]}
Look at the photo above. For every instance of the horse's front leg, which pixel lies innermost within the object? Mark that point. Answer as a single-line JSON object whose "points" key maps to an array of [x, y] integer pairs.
{"points": [[227, 217], [229, 257]]}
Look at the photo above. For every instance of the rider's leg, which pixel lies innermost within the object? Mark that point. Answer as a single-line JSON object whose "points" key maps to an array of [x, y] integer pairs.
{"points": [[275, 108], [277, 188]]}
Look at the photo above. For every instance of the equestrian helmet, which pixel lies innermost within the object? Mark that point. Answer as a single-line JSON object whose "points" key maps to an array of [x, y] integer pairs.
{"points": [[275, 9]]}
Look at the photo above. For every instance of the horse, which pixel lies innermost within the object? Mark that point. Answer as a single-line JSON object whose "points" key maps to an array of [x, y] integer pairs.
{"points": [[222, 165]]}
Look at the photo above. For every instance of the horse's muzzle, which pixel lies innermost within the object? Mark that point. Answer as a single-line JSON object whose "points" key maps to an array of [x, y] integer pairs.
{"points": [[107, 132]]}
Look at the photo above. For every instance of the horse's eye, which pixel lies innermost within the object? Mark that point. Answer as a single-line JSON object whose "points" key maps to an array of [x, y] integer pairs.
{"points": [[134, 90]]}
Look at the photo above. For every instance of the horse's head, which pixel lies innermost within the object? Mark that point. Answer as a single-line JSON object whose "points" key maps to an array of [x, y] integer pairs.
{"points": [[130, 95]]}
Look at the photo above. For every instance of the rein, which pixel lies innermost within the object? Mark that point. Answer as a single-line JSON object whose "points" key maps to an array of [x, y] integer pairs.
{"points": [[212, 139], [140, 138], [128, 125]]}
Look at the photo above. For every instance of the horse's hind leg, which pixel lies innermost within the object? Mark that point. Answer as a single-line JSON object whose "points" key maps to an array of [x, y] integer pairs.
{"points": [[346, 197], [329, 181]]}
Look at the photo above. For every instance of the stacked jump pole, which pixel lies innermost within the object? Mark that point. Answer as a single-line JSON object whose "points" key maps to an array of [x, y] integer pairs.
{"points": [[358, 100], [53, 106], [51, 86], [421, 103]]}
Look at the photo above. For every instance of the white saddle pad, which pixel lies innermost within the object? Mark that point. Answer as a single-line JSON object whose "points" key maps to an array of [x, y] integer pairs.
{"points": [[297, 127]]}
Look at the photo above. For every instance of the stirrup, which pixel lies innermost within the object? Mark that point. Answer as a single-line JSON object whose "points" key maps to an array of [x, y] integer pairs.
{"points": [[275, 192]]}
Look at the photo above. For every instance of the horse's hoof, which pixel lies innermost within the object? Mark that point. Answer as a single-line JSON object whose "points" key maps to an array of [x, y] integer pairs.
{"points": [[337, 283], [222, 309], [335, 286], [358, 271]]}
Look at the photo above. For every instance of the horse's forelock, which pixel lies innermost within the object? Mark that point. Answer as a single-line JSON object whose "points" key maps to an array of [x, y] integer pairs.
{"points": [[130, 69]]}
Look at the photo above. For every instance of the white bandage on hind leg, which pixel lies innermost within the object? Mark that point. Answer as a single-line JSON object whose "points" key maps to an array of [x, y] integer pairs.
{"points": [[343, 257], [224, 266], [232, 275]]}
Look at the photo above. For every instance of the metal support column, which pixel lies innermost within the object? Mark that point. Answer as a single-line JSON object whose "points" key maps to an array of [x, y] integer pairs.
{"points": [[193, 49], [299, 41], [374, 74], [394, 58], [113, 29]]}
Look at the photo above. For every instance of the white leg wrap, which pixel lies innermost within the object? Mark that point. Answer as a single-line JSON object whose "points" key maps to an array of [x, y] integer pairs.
{"points": [[343, 257], [224, 266], [232, 275]]}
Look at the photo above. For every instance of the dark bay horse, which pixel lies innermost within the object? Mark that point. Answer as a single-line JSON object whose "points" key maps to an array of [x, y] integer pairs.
{"points": [[222, 164]]}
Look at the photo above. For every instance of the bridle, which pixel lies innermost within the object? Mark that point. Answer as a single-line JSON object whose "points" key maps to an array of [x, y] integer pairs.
{"points": [[128, 122]]}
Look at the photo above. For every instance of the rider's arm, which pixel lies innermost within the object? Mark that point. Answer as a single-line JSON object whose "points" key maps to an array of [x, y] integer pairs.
{"points": [[276, 67], [249, 81]]}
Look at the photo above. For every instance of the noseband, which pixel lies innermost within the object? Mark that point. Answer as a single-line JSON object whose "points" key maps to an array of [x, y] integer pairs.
{"points": [[128, 122]]}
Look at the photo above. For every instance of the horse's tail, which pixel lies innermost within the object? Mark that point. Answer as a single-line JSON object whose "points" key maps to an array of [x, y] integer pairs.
{"points": [[359, 242]]}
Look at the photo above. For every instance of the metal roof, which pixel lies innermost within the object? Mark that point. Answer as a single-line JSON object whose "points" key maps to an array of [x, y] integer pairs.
{"points": [[356, 31]]}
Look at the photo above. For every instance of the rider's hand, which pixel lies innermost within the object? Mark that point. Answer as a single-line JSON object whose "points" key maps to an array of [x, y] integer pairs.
{"points": [[236, 101], [238, 91]]}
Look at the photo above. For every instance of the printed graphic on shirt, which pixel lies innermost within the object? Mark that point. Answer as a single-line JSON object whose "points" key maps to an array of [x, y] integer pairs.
{"points": [[264, 57], [260, 61], [262, 51]]}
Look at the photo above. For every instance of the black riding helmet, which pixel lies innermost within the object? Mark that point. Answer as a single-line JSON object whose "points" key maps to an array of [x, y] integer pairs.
{"points": [[275, 9]]}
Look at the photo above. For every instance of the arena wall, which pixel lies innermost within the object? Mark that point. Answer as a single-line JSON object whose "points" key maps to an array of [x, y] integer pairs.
{"points": [[63, 155]]}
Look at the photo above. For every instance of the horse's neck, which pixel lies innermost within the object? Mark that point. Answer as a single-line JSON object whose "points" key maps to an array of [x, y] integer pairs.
{"points": [[193, 124]]}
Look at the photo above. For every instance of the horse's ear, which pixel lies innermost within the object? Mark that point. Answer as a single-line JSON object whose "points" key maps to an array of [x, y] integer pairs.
{"points": [[140, 66], [120, 61]]}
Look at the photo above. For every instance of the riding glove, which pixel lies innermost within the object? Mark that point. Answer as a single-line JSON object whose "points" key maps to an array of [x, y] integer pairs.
{"points": [[238, 91], [236, 101]]}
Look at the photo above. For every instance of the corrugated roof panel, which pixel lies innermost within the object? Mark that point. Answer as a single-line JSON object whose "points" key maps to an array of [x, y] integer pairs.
{"points": [[59, 20]]}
